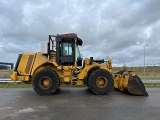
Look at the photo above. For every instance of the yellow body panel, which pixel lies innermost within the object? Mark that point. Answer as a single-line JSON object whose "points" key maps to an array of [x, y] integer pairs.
{"points": [[25, 63], [83, 73], [40, 59], [121, 82], [16, 77]]}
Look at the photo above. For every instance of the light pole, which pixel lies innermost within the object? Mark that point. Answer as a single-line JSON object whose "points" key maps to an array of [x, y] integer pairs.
{"points": [[144, 57]]}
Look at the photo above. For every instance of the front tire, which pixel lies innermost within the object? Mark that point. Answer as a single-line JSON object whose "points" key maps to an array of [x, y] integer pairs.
{"points": [[46, 82], [100, 82]]}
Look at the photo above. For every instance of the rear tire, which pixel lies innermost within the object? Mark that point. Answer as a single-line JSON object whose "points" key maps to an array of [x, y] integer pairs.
{"points": [[100, 82], [46, 82]]}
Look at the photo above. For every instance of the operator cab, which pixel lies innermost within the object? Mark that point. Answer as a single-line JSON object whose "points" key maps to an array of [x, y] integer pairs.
{"points": [[67, 51]]}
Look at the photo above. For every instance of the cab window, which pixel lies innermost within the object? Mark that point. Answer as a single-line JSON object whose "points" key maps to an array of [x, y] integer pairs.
{"points": [[67, 49]]}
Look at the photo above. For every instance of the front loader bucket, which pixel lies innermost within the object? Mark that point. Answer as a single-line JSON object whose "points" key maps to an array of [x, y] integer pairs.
{"points": [[129, 82]]}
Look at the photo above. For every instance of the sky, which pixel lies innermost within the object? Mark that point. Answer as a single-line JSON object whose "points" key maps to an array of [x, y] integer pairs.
{"points": [[110, 29]]}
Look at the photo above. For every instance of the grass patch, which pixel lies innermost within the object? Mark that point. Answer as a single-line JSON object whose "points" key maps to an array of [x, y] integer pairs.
{"points": [[155, 85], [15, 85]]}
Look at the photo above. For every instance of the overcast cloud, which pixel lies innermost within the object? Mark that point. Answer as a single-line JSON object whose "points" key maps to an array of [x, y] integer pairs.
{"points": [[115, 29]]}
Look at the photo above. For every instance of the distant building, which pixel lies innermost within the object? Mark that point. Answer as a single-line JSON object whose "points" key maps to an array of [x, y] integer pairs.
{"points": [[4, 65]]}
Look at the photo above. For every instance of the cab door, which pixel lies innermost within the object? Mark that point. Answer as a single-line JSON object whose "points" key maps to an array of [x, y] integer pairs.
{"points": [[65, 53]]}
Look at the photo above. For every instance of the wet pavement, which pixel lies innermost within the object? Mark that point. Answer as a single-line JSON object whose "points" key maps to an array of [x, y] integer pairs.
{"points": [[78, 104]]}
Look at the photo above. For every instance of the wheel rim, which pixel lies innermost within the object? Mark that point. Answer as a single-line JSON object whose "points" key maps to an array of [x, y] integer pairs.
{"points": [[101, 82], [45, 82]]}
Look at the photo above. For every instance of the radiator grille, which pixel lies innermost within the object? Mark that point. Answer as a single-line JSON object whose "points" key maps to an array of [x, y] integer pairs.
{"points": [[28, 66]]}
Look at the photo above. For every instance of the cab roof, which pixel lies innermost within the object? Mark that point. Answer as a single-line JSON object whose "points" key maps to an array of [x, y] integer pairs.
{"points": [[68, 36]]}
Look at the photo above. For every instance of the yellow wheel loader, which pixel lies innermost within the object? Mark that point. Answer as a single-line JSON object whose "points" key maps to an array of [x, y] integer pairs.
{"points": [[60, 62]]}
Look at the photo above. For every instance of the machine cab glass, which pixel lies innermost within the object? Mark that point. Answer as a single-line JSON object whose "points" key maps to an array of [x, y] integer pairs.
{"points": [[67, 49]]}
